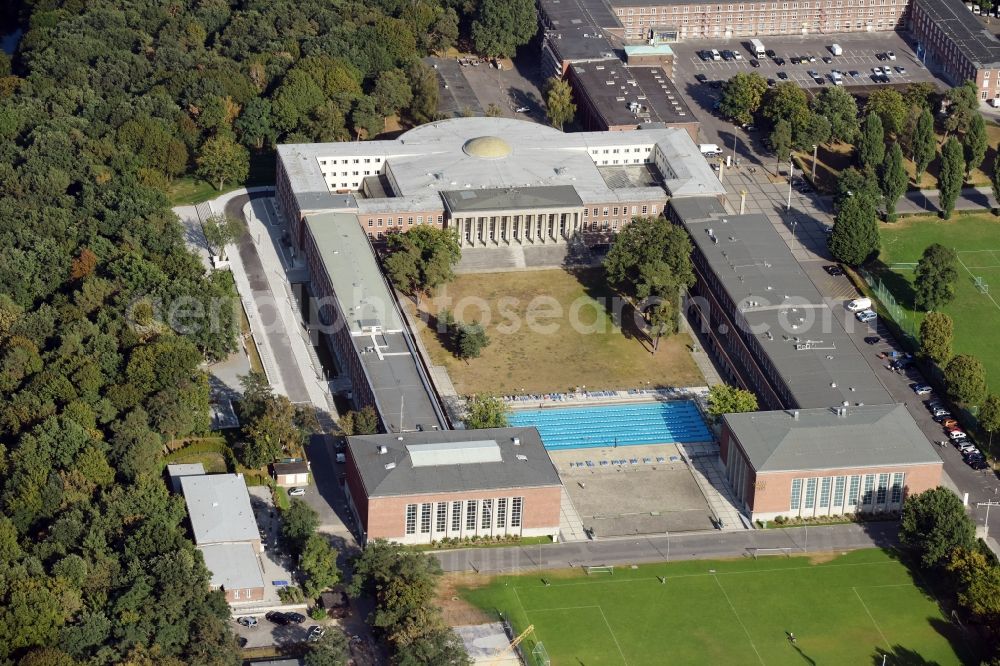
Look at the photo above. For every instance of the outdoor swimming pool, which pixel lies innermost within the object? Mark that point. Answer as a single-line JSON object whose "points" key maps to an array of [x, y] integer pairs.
{"points": [[610, 425]]}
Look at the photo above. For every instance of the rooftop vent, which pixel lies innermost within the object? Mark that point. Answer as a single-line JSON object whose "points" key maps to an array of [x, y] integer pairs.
{"points": [[382, 450], [795, 415], [522, 457], [391, 465], [517, 441], [399, 439]]}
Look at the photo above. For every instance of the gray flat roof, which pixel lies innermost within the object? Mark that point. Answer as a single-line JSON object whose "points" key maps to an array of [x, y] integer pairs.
{"points": [[869, 436], [697, 208], [290, 467], [556, 196], [815, 357], [233, 566], [964, 30], [574, 29], [387, 356], [219, 508], [185, 469], [429, 159], [405, 479], [612, 87]]}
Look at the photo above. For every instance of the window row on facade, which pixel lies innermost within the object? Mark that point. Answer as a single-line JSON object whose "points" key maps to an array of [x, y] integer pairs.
{"points": [[761, 6], [837, 494], [410, 220], [460, 518]]}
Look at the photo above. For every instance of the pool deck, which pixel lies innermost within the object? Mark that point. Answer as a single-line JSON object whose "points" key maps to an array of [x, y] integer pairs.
{"points": [[596, 398]]}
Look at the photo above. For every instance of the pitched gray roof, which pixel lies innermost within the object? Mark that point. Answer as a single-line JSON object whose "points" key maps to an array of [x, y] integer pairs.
{"points": [[869, 436], [301, 467], [815, 357], [402, 478], [234, 566], [556, 196], [964, 30], [387, 358], [219, 507]]}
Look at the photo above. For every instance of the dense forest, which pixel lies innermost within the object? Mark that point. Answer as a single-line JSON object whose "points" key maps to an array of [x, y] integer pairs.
{"points": [[101, 106]]}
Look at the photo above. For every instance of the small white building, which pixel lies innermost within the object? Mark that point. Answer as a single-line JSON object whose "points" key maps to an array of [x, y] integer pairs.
{"points": [[290, 474]]}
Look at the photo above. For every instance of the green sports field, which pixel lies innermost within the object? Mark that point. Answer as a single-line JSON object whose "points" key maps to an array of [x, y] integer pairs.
{"points": [[847, 610], [976, 239]]}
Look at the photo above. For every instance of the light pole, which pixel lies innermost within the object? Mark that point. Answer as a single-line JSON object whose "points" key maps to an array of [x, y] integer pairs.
{"points": [[815, 151], [986, 528], [791, 172]]}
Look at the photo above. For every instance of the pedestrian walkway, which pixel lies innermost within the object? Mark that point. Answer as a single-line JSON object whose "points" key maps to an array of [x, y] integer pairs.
{"points": [[570, 524], [706, 467]]}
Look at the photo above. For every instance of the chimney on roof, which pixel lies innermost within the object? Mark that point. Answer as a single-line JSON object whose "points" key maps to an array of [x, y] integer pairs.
{"points": [[382, 450]]}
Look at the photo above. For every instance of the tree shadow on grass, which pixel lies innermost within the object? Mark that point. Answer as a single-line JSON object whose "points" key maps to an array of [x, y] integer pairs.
{"points": [[899, 286], [622, 314], [900, 656]]}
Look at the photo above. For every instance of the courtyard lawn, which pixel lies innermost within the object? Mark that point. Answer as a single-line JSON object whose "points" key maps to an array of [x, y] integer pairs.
{"points": [[976, 238], [847, 610], [551, 330]]}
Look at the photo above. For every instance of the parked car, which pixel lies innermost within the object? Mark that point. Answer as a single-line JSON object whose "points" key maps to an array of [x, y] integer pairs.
{"points": [[922, 389], [297, 618], [859, 304], [780, 62], [941, 413], [316, 632], [978, 464], [957, 434], [782, 76], [701, 78], [854, 73], [900, 69], [949, 423], [521, 109], [811, 58], [873, 340], [754, 62], [247, 621], [296, 492], [770, 53], [834, 270], [277, 617], [827, 59], [866, 316], [727, 55], [890, 55]]}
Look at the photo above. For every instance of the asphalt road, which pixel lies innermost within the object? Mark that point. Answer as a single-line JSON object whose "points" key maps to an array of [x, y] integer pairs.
{"points": [[688, 546]]}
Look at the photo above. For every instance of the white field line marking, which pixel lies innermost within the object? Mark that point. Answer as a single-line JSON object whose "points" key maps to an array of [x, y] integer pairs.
{"points": [[613, 637], [737, 616], [872, 617], [989, 296]]}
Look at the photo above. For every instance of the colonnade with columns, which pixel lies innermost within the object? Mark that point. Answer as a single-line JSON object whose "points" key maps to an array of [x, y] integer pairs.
{"points": [[500, 228]]}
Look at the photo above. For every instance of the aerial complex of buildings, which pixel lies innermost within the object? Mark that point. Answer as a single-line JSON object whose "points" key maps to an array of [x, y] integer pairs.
{"points": [[829, 438]]}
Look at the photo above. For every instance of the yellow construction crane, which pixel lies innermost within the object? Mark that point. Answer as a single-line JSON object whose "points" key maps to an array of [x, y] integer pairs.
{"points": [[505, 650]]}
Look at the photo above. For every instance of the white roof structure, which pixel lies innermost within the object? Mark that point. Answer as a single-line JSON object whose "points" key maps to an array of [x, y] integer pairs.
{"points": [[219, 508], [491, 153]]}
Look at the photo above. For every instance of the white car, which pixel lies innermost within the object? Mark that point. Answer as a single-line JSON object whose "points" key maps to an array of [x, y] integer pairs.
{"points": [[247, 621], [521, 109], [296, 492], [859, 304], [890, 55], [957, 434]]}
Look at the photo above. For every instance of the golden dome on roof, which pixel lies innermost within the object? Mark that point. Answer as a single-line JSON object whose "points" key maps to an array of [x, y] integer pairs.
{"points": [[487, 147]]}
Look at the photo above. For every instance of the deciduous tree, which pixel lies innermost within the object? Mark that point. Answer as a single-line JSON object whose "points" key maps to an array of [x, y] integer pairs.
{"points": [[989, 415], [319, 565], [871, 145], [392, 92], [298, 522], [935, 277], [951, 176], [841, 109], [924, 144], [433, 253], [501, 26], [936, 333], [963, 103], [221, 230], [965, 379], [781, 142], [934, 524], [741, 96], [221, 159], [559, 106], [485, 411], [893, 179], [726, 399], [855, 232], [888, 104], [470, 340], [332, 649], [361, 422], [974, 144]]}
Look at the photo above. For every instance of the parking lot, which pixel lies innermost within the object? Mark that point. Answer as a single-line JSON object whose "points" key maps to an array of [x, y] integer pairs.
{"points": [[470, 85], [860, 55]]}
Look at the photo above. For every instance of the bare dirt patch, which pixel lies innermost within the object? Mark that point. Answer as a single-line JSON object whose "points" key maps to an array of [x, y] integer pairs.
{"points": [[456, 610]]}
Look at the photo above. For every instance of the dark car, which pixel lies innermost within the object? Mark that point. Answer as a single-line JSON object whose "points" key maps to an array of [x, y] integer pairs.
{"points": [[701, 78], [770, 53], [782, 76], [705, 55], [795, 60], [827, 59], [854, 73], [728, 55], [754, 62], [715, 84], [277, 617], [873, 340], [820, 81], [833, 270], [771, 83], [297, 618], [978, 464], [780, 62]]}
